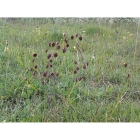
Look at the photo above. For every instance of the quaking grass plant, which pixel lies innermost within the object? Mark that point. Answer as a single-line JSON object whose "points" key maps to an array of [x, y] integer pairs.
{"points": [[59, 64]]}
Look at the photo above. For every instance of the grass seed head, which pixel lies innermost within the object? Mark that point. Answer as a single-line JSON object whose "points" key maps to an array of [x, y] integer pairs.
{"points": [[64, 50], [125, 64], [47, 66], [75, 62], [52, 74], [66, 41], [67, 45], [36, 67], [53, 44], [55, 55], [50, 60], [45, 74], [77, 68], [49, 56], [34, 55], [64, 34], [84, 67], [72, 37], [80, 38], [74, 71], [58, 47], [56, 43]]}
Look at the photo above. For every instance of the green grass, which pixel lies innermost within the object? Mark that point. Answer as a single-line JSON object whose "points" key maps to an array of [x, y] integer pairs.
{"points": [[109, 90]]}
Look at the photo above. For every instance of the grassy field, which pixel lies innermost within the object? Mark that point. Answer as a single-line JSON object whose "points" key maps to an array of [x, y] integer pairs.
{"points": [[69, 70]]}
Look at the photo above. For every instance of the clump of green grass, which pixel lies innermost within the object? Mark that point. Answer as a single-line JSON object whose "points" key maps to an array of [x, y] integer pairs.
{"points": [[97, 30], [47, 76]]}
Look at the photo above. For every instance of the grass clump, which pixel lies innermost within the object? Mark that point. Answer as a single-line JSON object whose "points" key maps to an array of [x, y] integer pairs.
{"points": [[83, 72]]}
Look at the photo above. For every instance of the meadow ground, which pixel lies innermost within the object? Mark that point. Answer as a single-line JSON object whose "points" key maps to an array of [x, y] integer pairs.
{"points": [[69, 70]]}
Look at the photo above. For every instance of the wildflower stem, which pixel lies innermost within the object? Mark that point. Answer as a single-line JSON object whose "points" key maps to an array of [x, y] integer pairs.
{"points": [[80, 50], [77, 55]]}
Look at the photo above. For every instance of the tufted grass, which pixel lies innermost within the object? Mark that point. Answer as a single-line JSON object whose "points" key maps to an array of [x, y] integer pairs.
{"points": [[109, 93]]}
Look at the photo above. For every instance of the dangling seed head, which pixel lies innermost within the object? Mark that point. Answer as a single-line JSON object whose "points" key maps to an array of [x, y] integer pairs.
{"points": [[56, 43], [52, 74], [75, 62], [67, 45], [36, 67], [57, 74], [49, 56], [75, 71], [64, 50], [34, 55], [55, 55], [72, 37], [84, 66], [45, 74], [53, 44], [47, 66], [125, 64], [77, 68], [50, 60], [80, 38], [66, 41], [58, 47], [64, 34]]}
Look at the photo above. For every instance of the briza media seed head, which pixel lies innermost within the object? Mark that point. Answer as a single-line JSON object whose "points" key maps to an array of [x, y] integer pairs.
{"points": [[72, 37], [45, 74], [55, 55], [34, 55], [52, 74], [47, 66], [66, 41], [75, 62], [53, 44], [64, 34], [49, 56], [67, 45], [58, 47], [57, 74], [35, 66], [50, 60], [125, 64], [80, 38], [74, 71], [64, 50], [84, 67], [77, 68]]}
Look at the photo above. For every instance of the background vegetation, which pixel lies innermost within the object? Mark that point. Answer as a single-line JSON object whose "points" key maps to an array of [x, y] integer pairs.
{"points": [[69, 70]]}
